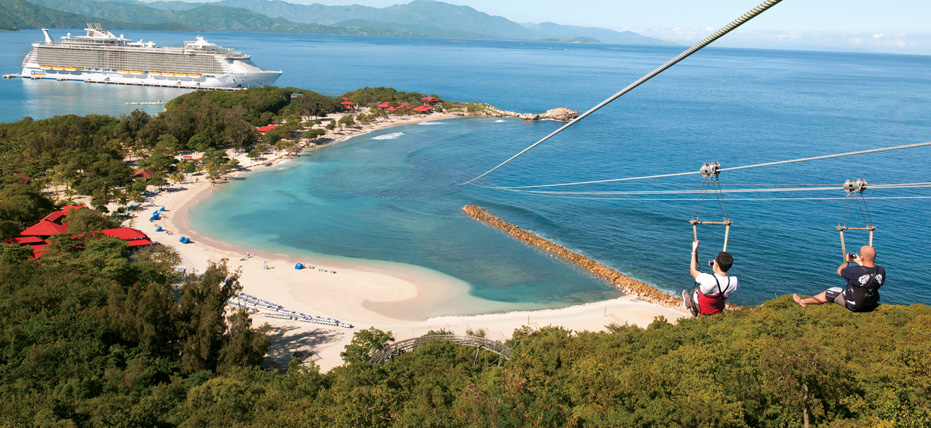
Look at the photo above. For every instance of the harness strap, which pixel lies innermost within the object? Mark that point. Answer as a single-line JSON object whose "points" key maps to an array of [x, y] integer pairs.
{"points": [[721, 293]]}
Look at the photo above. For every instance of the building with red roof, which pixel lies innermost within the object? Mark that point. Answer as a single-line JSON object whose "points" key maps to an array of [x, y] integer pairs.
{"points": [[142, 173], [266, 128], [44, 228], [52, 225]]}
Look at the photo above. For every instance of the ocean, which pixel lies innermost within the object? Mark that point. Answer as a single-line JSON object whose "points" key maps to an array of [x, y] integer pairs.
{"points": [[395, 195]]}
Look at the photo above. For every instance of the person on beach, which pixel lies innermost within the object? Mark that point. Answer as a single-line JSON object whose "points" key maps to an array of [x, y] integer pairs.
{"points": [[863, 281], [711, 290]]}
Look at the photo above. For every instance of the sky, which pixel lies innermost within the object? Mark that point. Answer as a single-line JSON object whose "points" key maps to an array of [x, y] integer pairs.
{"points": [[893, 26]]}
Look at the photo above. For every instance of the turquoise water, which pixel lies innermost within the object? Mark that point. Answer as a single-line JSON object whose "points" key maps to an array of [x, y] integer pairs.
{"points": [[393, 196]]}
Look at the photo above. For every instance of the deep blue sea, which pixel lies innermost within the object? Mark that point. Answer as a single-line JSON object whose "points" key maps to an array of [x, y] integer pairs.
{"points": [[394, 195]]}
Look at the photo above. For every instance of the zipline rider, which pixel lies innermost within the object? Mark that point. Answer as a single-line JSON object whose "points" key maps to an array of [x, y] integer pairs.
{"points": [[711, 290], [861, 293]]}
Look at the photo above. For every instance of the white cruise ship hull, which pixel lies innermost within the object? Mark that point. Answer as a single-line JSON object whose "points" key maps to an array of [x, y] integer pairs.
{"points": [[222, 81], [101, 57]]}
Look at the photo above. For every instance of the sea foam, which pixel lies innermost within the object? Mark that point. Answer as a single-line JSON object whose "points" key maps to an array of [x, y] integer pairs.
{"points": [[391, 136]]}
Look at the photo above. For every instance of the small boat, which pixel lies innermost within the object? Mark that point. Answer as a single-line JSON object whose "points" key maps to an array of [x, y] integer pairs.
{"points": [[193, 75], [181, 74], [71, 68], [136, 72], [168, 74], [45, 67], [155, 73], [122, 71], [58, 68]]}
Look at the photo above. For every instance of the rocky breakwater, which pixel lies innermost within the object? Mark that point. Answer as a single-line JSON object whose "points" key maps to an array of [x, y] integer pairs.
{"points": [[560, 114], [624, 283]]}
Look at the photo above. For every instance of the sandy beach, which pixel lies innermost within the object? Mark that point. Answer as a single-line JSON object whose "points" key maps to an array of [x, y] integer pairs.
{"points": [[384, 295]]}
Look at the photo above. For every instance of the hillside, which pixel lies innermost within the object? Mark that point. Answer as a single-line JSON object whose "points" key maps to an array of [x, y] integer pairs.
{"points": [[18, 14], [426, 18], [205, 17]]}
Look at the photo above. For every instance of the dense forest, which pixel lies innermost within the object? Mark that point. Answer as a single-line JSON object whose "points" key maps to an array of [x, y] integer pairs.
{"points": [[92, 334]]}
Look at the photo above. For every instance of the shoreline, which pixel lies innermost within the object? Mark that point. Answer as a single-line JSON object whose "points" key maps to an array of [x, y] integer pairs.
{"points": [[364, 293]]}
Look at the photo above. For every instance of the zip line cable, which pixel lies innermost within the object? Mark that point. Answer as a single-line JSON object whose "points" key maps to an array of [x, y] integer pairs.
{"points": [[614, 180], [702, 191], [836, 198], [717, 34]]}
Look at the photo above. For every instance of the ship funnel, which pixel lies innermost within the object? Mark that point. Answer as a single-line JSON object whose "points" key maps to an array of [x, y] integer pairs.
{"points": [[48, 39]]}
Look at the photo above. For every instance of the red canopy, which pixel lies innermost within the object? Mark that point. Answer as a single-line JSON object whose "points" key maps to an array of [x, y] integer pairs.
{"points": [[44, 228], [347, 103], [144, 173], [138, 243], [266, 128], [37, 251], [430, 99], [22, 240], [385, 104], [58, 215], [125, 233], [55, 216]]}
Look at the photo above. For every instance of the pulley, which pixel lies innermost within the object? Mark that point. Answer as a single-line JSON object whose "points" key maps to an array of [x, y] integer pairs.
{"points": [[855, 189], [710, 172]]}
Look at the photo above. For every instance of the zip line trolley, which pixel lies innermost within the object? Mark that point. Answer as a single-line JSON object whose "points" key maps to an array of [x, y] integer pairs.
{"points": [[710, 172], [855, 191]]}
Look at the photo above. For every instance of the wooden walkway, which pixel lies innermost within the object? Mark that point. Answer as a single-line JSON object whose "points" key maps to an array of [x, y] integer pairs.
{"points": [[479, 343]]}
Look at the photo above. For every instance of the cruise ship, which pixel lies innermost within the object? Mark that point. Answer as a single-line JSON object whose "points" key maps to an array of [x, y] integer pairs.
{"points": [[101, 57]]}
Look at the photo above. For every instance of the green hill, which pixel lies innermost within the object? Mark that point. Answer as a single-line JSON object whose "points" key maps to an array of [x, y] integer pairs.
{"points": [[207, 17], [426, 18], [19, 14]]}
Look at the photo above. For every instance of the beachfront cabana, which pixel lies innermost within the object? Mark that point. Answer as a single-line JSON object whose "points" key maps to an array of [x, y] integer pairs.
{"points": [[59, 216], [44, 228], [430, 99], [385, 104], [263, 129], [142, 173], [125, 233], [26, 240], [348, 104]]}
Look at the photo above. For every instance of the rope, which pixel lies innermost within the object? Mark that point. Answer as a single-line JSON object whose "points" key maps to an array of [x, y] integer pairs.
{"points": [[614, 180], [717, 34]]}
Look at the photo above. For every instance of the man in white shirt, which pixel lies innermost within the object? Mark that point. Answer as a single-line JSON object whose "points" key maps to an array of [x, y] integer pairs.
{"points": [[711, 290]]}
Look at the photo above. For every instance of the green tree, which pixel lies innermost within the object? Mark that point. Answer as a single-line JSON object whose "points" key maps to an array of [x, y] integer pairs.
{"points": [[364, 344]]}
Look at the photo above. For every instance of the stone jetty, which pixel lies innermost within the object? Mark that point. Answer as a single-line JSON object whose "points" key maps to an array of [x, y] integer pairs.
{"points": [[624, 283]]}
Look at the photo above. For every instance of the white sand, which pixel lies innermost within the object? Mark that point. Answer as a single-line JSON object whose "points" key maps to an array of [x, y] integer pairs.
{"points": [[388, 296]]}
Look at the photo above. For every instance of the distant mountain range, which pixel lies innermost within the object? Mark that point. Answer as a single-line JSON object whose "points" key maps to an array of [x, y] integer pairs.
{"points": [[420, 18]]}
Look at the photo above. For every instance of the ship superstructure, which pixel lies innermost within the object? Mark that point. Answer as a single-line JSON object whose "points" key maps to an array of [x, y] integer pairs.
{"points": [[101, 57]]}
